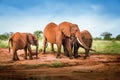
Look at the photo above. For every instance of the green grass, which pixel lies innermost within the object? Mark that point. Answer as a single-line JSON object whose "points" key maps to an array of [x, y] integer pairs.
{"points": [[3, 44], [57, 64], [101, 46]]}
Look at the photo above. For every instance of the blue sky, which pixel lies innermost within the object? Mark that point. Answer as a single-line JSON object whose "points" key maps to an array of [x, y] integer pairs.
{"points": [[97, 16]]}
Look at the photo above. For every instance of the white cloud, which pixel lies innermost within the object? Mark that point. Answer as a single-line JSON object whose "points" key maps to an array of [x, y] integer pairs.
{"points": [[96, 24]]}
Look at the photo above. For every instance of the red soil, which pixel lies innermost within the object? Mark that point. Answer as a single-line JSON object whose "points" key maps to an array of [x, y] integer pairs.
{"points": [[95, 67]]}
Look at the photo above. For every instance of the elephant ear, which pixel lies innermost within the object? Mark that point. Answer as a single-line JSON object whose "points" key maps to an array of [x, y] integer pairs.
{"points": [[30, 38], [65, 28]]}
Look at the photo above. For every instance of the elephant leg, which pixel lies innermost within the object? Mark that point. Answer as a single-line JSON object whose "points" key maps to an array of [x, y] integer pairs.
{"points": [[30, 52], [66, 53], [15, 57], [75, 51], [59, 51], [44, 44], [86, 54], [52, 47], [36, 52], [25, 50], [69, 48]]}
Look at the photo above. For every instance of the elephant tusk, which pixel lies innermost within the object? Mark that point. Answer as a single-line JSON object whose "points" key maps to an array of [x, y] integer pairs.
{"points": [[82, 45], [79, 41]]}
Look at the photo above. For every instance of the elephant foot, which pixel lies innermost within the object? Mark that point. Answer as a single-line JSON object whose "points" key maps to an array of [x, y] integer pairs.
{"points": [[71, 57], [43, 52], [31, 58], [58, 57], [37, 57], [66, 55], [85, 57], [88, 55], [18, 59], [25, 58], [52, 51], [76, 56], [15, 59]]}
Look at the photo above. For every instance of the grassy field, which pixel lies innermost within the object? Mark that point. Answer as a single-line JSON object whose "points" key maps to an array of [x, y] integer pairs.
{"points": [[101, 46]]}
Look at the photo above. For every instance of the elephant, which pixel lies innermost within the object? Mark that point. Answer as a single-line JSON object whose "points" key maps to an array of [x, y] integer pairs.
{"points": [[87, 39], [24, 41], [55, 34]]}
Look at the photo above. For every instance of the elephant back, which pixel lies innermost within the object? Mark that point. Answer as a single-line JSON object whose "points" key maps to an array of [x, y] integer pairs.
{"points": [[87, 37], [49, 27], [86, 34], [19, 40], [50, 32]]}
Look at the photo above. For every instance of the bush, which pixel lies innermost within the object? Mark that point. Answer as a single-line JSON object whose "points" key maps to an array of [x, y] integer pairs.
{"points": [[118, 37]]}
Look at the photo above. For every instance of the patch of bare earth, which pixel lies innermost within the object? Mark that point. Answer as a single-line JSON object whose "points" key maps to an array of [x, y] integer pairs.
{"points": [[47, 67]]}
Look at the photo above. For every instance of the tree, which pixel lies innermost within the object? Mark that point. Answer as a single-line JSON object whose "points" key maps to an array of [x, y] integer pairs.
{"points": [[106, 35], [5, 36], [118, 37], [38, 33]]}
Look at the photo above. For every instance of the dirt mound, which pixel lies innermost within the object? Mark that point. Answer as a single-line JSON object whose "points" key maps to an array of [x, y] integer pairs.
{"points": [[47, 67]]}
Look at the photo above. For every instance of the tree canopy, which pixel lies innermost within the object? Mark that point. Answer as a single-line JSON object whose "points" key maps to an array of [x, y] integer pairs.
{"points": [[106, 35], [5, 36], [118, 37], [38, 33]]}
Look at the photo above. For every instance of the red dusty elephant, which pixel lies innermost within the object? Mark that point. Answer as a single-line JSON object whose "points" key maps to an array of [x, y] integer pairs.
{"points": [[55, 34], [87, 39], [23, 41]]}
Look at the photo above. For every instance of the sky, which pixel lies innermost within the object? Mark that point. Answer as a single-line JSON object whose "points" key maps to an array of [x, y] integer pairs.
{"points": [[97, 16]]}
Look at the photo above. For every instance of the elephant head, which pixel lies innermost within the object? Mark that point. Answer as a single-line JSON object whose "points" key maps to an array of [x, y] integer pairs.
{"points": [[69, 30], [32, 39]]}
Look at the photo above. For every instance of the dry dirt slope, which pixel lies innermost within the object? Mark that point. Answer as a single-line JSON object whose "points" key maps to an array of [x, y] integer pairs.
{"points": [[47, 67]]}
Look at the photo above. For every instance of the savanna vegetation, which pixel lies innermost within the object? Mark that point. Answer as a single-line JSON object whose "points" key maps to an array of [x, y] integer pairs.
{"points": [[103, 44]]}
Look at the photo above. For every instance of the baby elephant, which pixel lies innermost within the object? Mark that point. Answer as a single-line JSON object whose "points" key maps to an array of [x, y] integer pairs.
{"points": [[23, 41]]}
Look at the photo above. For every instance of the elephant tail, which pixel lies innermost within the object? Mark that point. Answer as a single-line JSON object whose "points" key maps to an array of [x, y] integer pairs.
{"points": [[9, 42], [92, 50]]}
